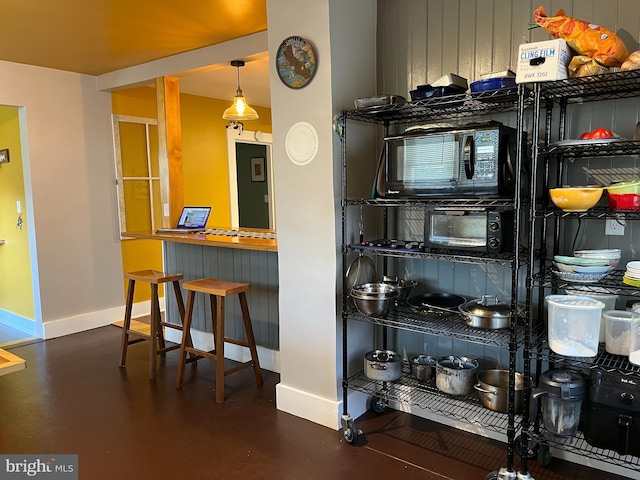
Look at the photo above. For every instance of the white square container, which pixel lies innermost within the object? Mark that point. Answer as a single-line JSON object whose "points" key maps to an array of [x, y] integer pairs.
{"points": [[573, 324]]}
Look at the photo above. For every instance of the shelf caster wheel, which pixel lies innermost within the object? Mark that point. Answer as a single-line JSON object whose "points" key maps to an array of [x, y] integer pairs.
{"points": [[491, 476], [349, 430], [378, 405], [544, 455], [531, 450]]}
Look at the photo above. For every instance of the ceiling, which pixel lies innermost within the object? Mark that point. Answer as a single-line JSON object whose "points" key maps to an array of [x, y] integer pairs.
{"points": [[101, 36]]}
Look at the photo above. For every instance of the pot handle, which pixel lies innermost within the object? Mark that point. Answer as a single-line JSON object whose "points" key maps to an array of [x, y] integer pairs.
{"points": [[479, 388], [377, 366]]}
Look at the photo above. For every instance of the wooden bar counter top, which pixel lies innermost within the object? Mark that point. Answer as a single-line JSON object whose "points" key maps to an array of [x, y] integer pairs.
{"points": [[214, 237]]}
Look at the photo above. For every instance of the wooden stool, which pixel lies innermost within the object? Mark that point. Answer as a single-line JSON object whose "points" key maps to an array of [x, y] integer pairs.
{"points": [[217, 291], [156, 337]]}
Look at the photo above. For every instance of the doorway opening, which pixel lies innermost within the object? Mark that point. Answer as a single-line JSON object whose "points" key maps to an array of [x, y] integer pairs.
{"points": [[251, 184]]}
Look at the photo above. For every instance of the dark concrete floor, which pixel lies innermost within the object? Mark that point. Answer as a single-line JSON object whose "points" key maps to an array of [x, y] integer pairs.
{"points": [[73, 398]]}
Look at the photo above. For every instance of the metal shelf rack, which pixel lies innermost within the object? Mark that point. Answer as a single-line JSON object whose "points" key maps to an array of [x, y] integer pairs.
{"points": [[540, 279], [408, 391], [425, 395]]}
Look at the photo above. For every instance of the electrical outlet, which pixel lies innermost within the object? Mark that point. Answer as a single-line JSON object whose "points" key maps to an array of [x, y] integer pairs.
{"points": [[613, 227]]}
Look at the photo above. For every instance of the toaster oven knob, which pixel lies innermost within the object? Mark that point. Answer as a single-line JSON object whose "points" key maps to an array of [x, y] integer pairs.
{"points": [[493, 226], [627, 398], [494, 243]]}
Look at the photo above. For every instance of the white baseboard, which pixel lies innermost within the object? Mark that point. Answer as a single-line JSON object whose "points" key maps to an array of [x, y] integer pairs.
{"points": [[316, 409], [88, 321], [18, 322]]}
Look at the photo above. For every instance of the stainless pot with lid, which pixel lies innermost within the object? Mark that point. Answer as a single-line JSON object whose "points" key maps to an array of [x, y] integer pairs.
{"points": [[456, 375], [486, 312], [383, 365], [423, 367]]}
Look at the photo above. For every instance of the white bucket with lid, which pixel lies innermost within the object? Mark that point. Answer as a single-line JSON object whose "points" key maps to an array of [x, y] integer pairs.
{"points": [[608, 299], [574, 324]]}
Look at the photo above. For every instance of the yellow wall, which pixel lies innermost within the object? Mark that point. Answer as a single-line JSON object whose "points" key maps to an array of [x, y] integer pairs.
{"points": [[204, 162], [16, 292]]}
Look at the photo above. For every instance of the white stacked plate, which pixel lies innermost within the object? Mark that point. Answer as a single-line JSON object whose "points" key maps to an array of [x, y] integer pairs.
{"points": [[633, 270]]}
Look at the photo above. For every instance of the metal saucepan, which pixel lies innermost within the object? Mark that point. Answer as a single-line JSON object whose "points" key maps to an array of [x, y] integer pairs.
{"points": [[384, 365], [441, 303], [456, 375], [423, 367], [493, 390], [486, 312]]}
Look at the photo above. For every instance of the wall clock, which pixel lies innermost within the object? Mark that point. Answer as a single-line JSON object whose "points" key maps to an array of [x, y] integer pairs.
{"points": [[296, 62]]}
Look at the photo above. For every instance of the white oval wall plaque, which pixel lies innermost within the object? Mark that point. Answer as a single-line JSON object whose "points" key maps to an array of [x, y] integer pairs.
{"points": [[301, 143]]}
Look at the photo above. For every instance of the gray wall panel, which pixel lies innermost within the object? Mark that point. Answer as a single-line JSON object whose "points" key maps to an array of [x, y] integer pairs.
{"points": [[258, 268], [421, 40]]}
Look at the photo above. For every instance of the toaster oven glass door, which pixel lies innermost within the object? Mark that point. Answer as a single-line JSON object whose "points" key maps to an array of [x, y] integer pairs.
{"points": [[458, 230]]}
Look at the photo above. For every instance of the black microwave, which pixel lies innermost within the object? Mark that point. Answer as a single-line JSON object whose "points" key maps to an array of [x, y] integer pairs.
{"points": [[489, 231], [475, 160]]}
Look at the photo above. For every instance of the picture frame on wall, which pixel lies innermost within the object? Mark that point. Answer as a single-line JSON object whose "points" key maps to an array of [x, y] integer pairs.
{"points": [[257, 169], [4, 155]]}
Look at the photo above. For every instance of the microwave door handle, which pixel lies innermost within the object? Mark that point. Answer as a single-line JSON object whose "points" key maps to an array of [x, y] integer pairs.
{"points": [[469, 157]]}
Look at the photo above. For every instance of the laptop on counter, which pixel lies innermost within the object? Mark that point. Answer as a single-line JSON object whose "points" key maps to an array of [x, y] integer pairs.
{"points": [[192, 220]]}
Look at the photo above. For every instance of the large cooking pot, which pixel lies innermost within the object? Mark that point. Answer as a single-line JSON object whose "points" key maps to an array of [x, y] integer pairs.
{"points": [[383, 365], [493, 390], [456, 375], [486, 312]]}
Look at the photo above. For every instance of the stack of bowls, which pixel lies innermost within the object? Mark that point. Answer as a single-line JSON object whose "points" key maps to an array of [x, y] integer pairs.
{"points": [[611, 254], [624, 195], [374, 299], [584, 266]]}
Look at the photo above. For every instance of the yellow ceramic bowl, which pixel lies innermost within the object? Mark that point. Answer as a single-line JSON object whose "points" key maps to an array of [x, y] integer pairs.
{"points": [[575, 199]]}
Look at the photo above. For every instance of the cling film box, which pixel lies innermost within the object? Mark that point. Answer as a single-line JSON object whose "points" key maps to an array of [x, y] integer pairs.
{"points": [[543, 61]]}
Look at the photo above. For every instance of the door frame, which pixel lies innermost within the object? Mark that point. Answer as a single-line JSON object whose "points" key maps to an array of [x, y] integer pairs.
{"points": [[257, 138]]}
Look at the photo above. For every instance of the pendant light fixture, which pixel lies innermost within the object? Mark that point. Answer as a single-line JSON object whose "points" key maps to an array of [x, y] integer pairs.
{"points": [[239, 110]]}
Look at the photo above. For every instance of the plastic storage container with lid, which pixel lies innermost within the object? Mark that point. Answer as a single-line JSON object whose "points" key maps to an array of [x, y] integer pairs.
{"points": [[618, 328], [574, 324], [608, 299]]}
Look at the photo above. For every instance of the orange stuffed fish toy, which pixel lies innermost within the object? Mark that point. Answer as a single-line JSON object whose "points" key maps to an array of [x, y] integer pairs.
{"points": [[594, 41]]}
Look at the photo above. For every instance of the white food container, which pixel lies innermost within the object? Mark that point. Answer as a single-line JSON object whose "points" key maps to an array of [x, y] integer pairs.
{"points": [[609, 304], [618, 327], [573, 324]]}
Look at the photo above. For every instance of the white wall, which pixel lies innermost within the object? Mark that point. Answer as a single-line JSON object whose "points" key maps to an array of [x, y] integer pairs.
{"points": [[71, 205], [307, 197]]}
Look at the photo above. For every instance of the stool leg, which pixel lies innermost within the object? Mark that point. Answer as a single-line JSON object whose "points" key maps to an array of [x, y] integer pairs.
{"points": [[180, 304], [154, 336], [250, 338], [186, 327], [218, 321], [127, 322]]}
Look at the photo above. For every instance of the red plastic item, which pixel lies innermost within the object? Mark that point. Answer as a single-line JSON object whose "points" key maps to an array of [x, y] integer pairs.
{"points": [[624, 201]]}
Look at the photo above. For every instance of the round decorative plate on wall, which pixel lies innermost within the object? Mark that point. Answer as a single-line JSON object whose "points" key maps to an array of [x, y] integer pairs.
{"points": [[301, 143], [295, 62]]}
